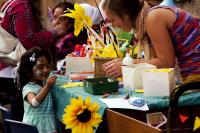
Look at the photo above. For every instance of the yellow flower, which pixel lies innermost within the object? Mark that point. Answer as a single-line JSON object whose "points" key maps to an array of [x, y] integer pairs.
{"points": [[109, 51], [82, 116], [80, 18]]}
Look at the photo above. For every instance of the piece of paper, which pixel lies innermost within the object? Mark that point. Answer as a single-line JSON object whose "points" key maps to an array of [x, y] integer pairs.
{"points": [[196, 123], [183, 118], [72, 84], [123, 103]]}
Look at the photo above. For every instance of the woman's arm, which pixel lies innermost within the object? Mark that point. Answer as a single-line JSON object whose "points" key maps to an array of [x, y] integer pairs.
{"points": [[28, 28], [157, 23]]}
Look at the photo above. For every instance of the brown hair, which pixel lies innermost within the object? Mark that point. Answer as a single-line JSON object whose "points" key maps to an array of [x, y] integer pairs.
{"points": [[121, 7], [65, 6]]}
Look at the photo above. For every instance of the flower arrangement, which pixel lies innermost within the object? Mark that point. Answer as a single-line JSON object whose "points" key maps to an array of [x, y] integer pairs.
{"points": [[98, 44], [82, 116]]}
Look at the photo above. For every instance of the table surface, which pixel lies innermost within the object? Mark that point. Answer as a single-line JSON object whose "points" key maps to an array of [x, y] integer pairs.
{"points": [[62, 96]]}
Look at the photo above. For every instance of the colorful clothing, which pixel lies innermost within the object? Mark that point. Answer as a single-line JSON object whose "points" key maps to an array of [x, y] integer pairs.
{"points": [[21, 22], [43, 117], [185, 34], [65, 45]]}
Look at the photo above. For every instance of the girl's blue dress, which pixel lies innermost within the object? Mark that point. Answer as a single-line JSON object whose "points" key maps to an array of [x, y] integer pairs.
{"points": [[43, 117]]}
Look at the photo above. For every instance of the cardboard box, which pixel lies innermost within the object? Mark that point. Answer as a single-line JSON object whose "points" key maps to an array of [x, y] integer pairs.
{"points": [[158, 82]]}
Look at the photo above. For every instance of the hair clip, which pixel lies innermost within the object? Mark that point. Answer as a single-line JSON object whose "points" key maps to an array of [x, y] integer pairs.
{"points": [[32, 58]]}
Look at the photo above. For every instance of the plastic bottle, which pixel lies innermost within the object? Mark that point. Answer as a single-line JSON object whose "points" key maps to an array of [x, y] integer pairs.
{"points": [[128, 60]]}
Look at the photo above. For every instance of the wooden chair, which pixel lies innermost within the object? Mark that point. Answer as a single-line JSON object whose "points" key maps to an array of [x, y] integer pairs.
{"points": [[173, 103], [6, 114], [20, 127]]}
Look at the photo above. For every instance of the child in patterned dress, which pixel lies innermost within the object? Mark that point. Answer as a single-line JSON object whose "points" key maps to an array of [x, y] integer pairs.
{"points": [[33, 76]]}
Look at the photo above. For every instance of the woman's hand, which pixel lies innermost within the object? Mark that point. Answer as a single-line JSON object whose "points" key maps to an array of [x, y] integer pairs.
{"points": [[113, 68], [60, 29]]}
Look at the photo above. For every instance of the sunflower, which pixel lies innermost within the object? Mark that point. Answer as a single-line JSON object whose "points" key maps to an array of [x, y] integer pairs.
{"points": [[80, 18], [81, 116]]}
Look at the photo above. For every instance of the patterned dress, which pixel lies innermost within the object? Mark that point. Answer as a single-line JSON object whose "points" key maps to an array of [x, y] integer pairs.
{"points": [[43, 117]]}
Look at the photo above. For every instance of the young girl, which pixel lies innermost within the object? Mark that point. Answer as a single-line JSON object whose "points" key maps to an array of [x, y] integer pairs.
{"points": [[33, 77]]}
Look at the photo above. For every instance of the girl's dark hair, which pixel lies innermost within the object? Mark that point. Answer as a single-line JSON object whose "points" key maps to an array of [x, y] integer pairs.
{"points": [[27, 62], [122, 7]]}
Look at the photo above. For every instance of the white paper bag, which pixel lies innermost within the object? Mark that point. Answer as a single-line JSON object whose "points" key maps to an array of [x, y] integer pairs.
{"points": [[133, 75], [158, 82], [78, 64]]}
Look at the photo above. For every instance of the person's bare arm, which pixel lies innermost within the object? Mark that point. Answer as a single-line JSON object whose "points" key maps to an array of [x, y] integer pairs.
{"points": [[157, 23], [44, 91]]}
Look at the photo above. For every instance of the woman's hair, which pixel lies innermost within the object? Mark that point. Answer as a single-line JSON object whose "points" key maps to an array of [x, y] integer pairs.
{"points": [[28, 60], [65, 6], [122, 7]]}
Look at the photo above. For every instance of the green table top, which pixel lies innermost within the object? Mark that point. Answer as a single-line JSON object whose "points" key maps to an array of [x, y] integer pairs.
{"points": [[62, 98]]}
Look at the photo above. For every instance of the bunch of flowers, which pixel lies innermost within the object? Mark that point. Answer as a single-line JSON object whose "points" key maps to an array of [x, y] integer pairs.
{"points": [[98, 43]]}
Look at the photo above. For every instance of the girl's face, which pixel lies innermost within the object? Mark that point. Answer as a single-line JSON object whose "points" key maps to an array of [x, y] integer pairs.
{"points": [[120, 22], [41, 69]]}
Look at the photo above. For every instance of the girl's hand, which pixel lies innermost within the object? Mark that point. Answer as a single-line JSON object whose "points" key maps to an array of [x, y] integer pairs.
{"points": [[51, 81], [113, 68]]}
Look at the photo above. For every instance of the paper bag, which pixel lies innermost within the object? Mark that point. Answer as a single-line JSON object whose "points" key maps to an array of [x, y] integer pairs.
{"points": [[78, 64], [158, 82], [133, 75]]}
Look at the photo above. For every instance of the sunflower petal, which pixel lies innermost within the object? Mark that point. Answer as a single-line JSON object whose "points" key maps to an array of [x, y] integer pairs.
{"points": [[94, 107], [78, 128], [88, 101], [90, 129], [84, 128], [72, 124]]}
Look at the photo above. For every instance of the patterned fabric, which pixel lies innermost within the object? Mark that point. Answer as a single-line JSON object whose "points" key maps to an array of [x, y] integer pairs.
{"points": [[43, 117], [21, 22], [185, 36], [65, 45]]}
